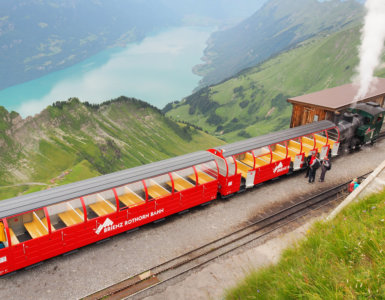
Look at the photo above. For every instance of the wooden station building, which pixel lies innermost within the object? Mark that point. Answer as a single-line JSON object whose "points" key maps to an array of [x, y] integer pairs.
{"points": [[330, 103]]}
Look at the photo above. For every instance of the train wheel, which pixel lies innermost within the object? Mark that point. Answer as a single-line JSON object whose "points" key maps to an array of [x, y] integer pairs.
{"points": [[355, 144], [373, 141]]}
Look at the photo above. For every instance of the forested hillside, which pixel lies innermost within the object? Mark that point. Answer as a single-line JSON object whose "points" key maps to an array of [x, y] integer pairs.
{"points": [[70, 141], [279, 25], [254, 102]]}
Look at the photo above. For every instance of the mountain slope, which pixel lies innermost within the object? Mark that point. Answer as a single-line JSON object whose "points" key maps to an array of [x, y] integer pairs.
{"points": [[70, 141], [254, 102], [278, 25]]}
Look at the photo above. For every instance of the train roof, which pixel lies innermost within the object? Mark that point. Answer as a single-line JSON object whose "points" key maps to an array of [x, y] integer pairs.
{"points": [[274, 137], [20, 204], [340, 96], [370, 108]]}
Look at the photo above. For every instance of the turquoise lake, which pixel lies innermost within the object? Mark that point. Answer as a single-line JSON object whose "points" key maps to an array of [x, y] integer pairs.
{"points": [[157, 70]]}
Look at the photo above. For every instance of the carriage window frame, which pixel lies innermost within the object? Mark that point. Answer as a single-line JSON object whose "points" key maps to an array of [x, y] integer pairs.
{"points": [[73, 210]]}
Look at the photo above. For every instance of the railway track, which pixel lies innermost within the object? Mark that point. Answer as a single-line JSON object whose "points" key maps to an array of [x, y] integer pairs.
{"points": [[143, 284]]}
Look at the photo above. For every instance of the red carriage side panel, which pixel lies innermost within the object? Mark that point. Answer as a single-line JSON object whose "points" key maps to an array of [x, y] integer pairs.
{"points": [[5, 252], [229, 179], [272, 170], [230, 184]]}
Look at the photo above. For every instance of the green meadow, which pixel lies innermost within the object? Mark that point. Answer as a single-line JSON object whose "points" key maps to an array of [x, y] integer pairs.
{"points": [[340, 259], [254, 101]]}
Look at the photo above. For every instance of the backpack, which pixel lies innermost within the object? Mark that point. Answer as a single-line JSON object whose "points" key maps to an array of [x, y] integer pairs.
{"points": [[328, 165], [316, 164]]}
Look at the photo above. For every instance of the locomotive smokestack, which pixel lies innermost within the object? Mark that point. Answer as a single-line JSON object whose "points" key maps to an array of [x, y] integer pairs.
{"points": [[372, 44]]}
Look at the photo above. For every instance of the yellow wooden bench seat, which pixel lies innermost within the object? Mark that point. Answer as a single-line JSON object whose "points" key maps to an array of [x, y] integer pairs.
{"points": [[131, 199], [278, 156], [181, 184], [295, 149], [248, 160], [280, 148], [202, 177], [70, 217], [35, 228], [306, 148], [262, 160], [102, 208], [44, 220], [291, 152], [14, 239], [242, 168], [323, 140], [156, 191], [295, 146], [307, 141], [280, 153]]}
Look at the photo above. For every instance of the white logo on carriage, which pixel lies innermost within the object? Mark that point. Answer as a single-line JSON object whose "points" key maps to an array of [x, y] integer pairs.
{"points": [[107, 222], [279, 168], [108, 225]]}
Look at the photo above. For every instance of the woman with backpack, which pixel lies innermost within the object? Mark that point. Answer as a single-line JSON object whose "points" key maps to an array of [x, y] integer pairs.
{"points": [[314, 165], [325, 166]]}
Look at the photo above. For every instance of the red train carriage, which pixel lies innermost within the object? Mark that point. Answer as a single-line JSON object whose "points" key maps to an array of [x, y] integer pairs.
{"points": [[252, 161], [41, 225]]}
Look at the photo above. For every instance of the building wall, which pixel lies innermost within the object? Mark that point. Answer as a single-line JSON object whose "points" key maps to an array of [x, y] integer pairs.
{"points": [[302, 115], [379, 100], [305, 114]]}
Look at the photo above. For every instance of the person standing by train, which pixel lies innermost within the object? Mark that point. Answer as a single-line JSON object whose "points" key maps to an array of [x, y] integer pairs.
{"points": [[308, 161], [325, 166], [314, 165]]}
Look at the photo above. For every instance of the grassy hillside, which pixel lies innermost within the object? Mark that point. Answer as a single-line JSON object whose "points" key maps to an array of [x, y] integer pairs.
{"points": [[254, 102], [341, 259], [70, 141]]}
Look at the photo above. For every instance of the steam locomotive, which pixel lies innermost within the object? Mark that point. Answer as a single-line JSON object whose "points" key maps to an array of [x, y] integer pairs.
{"points": [[360, 125]]}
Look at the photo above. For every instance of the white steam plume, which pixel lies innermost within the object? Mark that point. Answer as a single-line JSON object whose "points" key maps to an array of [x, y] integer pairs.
{"points": [[372, 44]]}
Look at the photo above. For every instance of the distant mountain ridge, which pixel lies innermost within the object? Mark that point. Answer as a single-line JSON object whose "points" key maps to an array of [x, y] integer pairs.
{"points": [[254, 101], [277, 26], [70, 141]]}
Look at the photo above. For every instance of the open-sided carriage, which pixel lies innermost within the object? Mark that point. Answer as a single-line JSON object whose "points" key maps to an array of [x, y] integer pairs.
{"points": [[252, 161], [40, 225]]}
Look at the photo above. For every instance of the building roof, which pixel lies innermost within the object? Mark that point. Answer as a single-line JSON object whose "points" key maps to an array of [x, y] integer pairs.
{"points": [[340, 96], [274, 137], [24, 203]]}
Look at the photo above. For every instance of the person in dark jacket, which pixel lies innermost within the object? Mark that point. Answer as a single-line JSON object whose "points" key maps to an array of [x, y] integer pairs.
{"points": [[325, 166], [314, 165], [307, 162]]}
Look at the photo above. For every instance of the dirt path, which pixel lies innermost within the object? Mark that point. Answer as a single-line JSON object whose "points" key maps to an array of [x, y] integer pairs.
{"points": [[21, 184]]}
